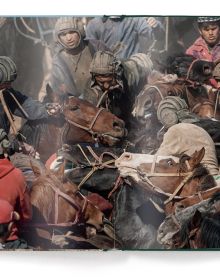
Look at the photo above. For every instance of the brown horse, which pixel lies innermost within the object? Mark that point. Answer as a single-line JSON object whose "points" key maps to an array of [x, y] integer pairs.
{"points": [[195, 227], [59, 206], [170, 178], [160, 86], [79, 122]]}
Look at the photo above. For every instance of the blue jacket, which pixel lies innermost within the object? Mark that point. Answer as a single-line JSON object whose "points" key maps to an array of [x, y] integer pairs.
{"points": [[34, 109], [124, 36]]}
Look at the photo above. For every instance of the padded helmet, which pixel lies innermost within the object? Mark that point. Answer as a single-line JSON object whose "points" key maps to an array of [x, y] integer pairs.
{"points": [[8, 70], [168, 108], [105, 62], [69, 24]]}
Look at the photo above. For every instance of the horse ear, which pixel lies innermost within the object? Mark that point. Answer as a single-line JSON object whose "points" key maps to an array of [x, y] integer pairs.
{"points": [[196, 219], [60, 171], [35, 169], [196, 158], [49, 92]]}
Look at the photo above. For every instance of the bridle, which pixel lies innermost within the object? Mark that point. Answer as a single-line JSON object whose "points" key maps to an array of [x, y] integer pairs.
{"points": [[146, 178], [79, 210], [98, 164], [199, 104], [90, 128], [143, 93], [194, 84]]}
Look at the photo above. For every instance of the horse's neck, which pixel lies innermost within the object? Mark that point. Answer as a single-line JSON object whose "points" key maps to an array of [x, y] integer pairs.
{"points": [[128, 199], [73, 135]]}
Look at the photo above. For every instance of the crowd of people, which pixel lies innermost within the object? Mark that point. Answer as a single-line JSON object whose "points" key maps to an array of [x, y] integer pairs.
{"points": [[106, 62]]}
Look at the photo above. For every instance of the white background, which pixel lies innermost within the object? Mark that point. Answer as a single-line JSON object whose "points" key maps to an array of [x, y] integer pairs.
{"points": [[97, 265]]}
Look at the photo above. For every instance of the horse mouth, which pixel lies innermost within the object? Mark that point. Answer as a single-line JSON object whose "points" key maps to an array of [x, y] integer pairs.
{"points": [[109, 139]]}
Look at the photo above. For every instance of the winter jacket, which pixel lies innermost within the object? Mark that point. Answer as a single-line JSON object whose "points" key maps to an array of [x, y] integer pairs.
{"points": [[13, 189], [200, 50], [70, 69], [124, 36], [135, 72]]}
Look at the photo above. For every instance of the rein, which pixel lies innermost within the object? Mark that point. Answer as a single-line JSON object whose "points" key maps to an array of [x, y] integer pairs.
{"points": [[79, 210], [199, 104], [216, 103], [8, 112], [152, 173], [147, 87], [98, 164]]}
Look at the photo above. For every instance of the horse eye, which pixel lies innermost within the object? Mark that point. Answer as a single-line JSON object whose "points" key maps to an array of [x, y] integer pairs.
{"points": [[170, 162], [74, 108]]}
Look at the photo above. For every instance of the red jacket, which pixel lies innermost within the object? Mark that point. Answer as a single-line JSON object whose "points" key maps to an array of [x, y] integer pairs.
{"points": [[200, 50], [13, 189]]}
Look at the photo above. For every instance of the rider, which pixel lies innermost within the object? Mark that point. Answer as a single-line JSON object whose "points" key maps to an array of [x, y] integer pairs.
{"points": [[125, 36], [14, 102], [184, 132], [72, 56], [115, 82], [14, 204], [207, 46]]}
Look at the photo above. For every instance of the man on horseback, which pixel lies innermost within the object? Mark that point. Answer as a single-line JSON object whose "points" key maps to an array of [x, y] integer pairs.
{"points": [[72, 56], [207, 46], [115, 83], [14, 102]]}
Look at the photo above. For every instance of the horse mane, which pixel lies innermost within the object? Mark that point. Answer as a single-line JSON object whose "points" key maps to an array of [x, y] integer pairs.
{"points": [[210, 231], [32, 130], [214, 198], [173, 64], [212, 127], [208, 223], [181, 240], [199, 172]]}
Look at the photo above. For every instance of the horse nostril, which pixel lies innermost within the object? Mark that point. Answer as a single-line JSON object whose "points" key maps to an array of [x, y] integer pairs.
{"points": [[118, 125], [207, 70], [147, 105]]}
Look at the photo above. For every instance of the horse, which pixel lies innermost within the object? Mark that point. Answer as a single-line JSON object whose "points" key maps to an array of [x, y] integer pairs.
{"points": [[186, 81], [170, 178], [195, 227], [58, 206], [79, 122], [129, 205]]}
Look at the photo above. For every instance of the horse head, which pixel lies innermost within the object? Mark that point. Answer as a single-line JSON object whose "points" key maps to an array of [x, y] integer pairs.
{"points": [[195, 227], [146, 104], [98, 123], [189, 68], [171, 177]]}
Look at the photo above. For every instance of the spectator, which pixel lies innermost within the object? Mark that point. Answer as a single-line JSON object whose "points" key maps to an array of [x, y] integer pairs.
{"points": [[72, 57], [207, 46]]}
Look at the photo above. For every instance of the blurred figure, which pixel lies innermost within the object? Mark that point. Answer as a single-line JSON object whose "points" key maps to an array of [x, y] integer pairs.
{"points": [[125, 35]]}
